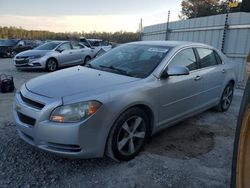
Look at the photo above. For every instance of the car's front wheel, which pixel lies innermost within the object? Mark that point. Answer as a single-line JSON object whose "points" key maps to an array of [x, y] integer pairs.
{"points": [[51, 65], [128, 135], [12, 54]]}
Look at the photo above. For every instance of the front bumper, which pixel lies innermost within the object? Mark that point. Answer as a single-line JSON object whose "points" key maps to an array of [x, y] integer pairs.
{"points": [[75, 140], [27, 63]]}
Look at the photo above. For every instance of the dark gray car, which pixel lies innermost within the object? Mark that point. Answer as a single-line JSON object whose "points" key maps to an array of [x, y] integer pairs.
{"points": [[115, 103]]}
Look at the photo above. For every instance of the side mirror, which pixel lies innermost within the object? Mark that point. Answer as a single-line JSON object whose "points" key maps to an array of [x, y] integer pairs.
{"points": [[175, 71], [60, 51]]}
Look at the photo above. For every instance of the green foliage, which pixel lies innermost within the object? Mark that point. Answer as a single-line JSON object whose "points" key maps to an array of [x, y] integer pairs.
{"points": [[199, 8], [15, 32]]}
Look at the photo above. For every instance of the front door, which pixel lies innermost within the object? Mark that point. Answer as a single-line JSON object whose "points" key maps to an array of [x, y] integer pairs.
{"points": [[180, 95], [65, 56]]}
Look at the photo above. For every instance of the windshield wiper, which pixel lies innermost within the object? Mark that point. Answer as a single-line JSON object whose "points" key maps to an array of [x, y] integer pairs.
{"points": [[89, 66], [121, 71]]}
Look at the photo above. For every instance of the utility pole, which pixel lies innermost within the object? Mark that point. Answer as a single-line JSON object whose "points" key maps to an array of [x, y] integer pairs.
{"points": [[140, 29], [225, 28], [167, 27]]}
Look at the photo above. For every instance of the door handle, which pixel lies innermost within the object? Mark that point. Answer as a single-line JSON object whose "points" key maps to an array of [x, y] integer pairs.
{"points": [[70, 52], [197, 78], [223, 71]]}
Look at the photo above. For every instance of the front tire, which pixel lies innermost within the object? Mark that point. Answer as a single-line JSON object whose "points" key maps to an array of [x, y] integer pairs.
{"points": [[51, 65], [12, 54], [128, 135], [226, 98]]}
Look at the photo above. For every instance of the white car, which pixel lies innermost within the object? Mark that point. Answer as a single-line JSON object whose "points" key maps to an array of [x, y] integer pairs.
{"points": [[96, 44], [53, 55]]}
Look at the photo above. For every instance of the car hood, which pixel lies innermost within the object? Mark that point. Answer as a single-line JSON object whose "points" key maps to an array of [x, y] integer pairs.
{"points": [[33, 52], [75, 80]]}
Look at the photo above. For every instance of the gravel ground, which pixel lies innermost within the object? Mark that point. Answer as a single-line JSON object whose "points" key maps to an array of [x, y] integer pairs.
{"points": [[194, 153]]}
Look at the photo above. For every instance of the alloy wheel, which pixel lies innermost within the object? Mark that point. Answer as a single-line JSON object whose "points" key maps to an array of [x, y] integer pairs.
{"points": [[131, 135], [227, 97], [51, 65]]}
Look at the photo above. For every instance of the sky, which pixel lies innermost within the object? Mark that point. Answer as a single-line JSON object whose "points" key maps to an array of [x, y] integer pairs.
{"points": [[91, 15]]}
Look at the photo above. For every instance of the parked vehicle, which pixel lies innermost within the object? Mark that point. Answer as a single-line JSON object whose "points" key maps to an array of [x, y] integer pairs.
{"points": [[1, 41], [117, 101], [10, 47], [53, 55], [96, 44]]}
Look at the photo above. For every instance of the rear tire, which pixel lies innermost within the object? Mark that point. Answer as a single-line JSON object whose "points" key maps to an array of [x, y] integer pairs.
{"points": [[51, 65], [226, 98], [86, 60], [128, 135]]}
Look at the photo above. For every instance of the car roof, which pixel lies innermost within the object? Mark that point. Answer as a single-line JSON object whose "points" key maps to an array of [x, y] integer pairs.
{"points": [[169, 43], [95, 40]]}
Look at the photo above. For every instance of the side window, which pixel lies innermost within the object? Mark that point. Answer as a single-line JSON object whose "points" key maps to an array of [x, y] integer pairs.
{"points": [[207, 57], [77, 46], [65, 46], [218, 58], [185, 58], [21, 43]]}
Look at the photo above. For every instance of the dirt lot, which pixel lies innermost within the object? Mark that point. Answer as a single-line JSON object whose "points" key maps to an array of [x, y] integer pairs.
{"points": [[194, 153]]}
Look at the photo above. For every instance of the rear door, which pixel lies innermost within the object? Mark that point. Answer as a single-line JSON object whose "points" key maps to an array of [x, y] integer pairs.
{"points": [[80, 52], [213, 74], [180, 95]]}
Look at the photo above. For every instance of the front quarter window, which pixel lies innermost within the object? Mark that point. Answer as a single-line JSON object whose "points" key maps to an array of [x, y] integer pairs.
{"points": [[185, 58]]}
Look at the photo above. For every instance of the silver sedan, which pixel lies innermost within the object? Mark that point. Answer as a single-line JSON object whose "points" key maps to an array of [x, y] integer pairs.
{"points": [[53, 55], [116, 102]]}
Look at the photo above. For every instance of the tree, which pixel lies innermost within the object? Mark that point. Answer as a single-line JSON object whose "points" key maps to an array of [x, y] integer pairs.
{"points": [[199, 8], [14, 32]]}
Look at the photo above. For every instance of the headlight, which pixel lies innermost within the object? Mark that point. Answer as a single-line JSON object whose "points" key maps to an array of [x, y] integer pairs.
{"points": [[35, 56], [74, 112]]}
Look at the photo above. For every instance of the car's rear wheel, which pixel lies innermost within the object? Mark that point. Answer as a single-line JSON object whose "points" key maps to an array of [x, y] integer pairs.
{"points": [[128, 135], [86, 60], [241, 163], [226, 98], [51, 65]]}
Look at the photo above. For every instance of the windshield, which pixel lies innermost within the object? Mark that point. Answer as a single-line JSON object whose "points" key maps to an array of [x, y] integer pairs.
{"points": [[48, 46], [10, 42], [131, 59]]}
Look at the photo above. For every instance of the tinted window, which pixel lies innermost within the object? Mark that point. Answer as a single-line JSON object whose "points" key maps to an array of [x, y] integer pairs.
{"points": [[10, 42], [85, 42], [207, 57], [185, 58], [77, 46], [65, 46], [132, 59], [218, 58], [48, 46]]}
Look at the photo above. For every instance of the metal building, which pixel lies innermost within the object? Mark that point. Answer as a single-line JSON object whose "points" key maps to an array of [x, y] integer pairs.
{"points": [[229, 33]]}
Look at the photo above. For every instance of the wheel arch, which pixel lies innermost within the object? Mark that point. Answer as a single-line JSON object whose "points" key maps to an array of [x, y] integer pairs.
{"points": [[145, 107]]}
